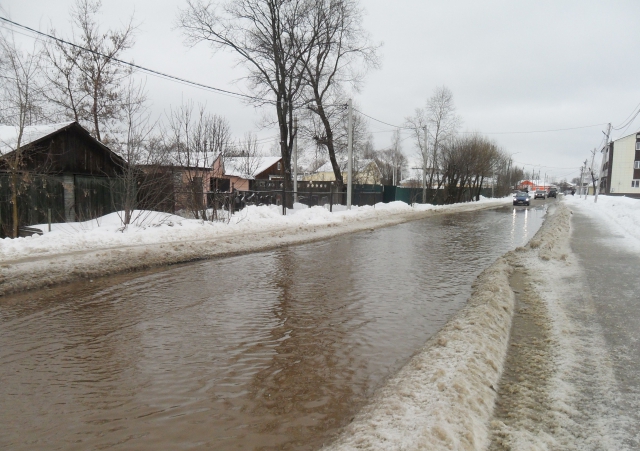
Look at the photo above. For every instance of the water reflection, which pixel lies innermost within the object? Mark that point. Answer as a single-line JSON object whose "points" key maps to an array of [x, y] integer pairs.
{"points": [[276, 350], [520, 227]]}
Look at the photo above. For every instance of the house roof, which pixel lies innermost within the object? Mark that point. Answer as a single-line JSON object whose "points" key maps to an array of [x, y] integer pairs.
{"points": [[626, 136], [534, 182], [32, 133], [237, 166]]}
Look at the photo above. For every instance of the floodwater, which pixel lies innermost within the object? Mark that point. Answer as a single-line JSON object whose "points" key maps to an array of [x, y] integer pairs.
{"points": [[275, 350]]}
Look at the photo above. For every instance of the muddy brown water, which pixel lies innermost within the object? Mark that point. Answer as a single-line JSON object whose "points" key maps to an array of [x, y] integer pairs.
{"points": [[275, 350]]}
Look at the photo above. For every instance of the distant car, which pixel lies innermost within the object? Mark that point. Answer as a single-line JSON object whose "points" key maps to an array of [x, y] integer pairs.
{"points": [[552, 193], [521, 198], [540, 194]]}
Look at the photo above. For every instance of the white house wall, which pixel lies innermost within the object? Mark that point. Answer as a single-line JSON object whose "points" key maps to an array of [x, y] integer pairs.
{"points": [[624, 151]]}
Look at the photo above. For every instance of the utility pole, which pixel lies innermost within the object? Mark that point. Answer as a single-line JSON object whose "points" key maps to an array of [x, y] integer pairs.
{"points": [[493, 180], [295, 159], [584, 172], [424, 168], [605, 151], [580, 187], [350, 156], [593, 181]]}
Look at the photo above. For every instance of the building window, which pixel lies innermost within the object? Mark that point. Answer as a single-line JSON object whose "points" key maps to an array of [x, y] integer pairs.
{"points": [[635, 183], [279, 167], [636, 165], [638, 145]]}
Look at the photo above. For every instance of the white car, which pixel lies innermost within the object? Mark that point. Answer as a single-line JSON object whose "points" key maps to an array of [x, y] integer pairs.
{"points": [[540, 194]]}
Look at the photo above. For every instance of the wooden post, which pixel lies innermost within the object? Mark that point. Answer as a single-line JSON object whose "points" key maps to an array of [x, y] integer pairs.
{"points": [[284, 199], [331, 197]]}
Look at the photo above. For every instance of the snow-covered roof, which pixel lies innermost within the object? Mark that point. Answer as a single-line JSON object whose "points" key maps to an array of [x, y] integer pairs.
{"points": [[248, 167], [9, 134]]}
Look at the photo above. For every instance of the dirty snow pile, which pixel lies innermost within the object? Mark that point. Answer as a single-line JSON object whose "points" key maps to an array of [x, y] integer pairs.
{"points": [[443, 398], [152, 227], [103, 247], [566, 394]]}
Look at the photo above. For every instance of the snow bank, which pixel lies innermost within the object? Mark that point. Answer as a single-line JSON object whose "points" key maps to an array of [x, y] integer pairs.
{"points": [[621, 215], [152, 227], [155, 228], [102, 247], [566, 394], [443, 398]]}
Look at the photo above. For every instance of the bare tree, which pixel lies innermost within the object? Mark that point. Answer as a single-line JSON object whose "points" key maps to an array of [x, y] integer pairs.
{"points": [[142, 175], [66, 94], [440, 119], [196, 138], [89, 84], [272, 38], [392, 162], [20, 106], [465, 164], [340, 45]]}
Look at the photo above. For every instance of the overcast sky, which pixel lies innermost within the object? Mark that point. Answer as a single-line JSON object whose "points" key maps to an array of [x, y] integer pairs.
{"points": [[513, 66]]}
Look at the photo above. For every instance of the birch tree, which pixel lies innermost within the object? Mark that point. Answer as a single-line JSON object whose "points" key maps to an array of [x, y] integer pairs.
{"points": [[442, 122]]}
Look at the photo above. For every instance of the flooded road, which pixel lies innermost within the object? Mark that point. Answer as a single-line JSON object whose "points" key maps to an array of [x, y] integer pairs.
{"points": [[275, 350]]}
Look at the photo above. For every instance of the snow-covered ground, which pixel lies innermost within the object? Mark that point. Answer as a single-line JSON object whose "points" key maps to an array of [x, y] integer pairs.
{"points": [[102, 246], [621, 215], [154, 227]]}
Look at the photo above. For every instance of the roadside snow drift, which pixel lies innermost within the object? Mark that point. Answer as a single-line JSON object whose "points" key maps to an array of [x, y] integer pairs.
{"points": [[101, 247], [443, 398]]}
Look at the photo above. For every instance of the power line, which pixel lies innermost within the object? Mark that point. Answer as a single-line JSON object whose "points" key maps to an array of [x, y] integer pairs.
{"points": [[629, 119], [396, 127], [382, 122], [141, 68]]}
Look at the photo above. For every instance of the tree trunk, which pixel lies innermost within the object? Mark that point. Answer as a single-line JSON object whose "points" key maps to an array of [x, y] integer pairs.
{"points": [[337, 172], [14, 200]]}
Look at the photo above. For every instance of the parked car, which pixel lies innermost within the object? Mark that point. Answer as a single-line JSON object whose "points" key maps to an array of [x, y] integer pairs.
{"points": [[521, 198], [540, 194], [552, 193]]}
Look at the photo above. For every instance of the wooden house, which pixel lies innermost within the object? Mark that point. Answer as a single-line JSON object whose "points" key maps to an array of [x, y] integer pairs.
{"points": [[61, 168]]}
